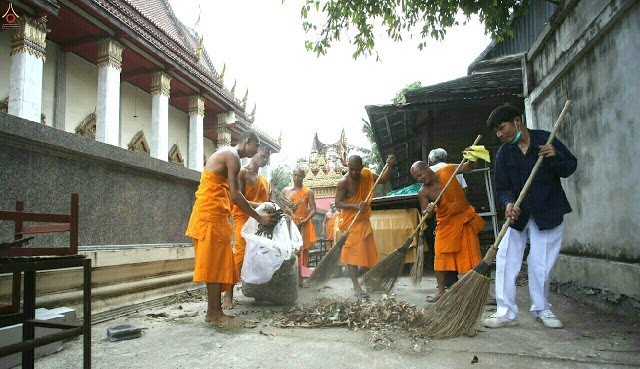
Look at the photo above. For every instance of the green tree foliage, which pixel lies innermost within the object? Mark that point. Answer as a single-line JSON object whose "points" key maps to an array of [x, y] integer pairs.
{"points": [[360, 20], [280, 177], [400, 99]]}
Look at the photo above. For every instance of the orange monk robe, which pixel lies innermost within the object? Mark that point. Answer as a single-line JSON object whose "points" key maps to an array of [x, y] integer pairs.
{"points": [[308, 232], [359, 248], [210, 230], [256, 192], [457, 247], [331, 228]]}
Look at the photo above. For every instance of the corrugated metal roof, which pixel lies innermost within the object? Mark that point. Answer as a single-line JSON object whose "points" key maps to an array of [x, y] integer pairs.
{"points": [[470, 87], [526, 27]]}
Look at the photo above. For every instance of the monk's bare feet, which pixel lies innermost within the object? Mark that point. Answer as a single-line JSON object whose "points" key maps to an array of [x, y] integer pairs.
{"points": [[227, 303], [207, 317], [225, 321]]}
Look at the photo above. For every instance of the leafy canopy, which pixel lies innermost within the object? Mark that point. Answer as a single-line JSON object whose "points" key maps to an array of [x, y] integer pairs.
{"points": [[328, 21]]}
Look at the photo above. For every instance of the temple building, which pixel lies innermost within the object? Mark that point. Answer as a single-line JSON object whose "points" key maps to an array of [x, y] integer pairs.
{"points": [[119, 103], [126, 73], [324, 166]]}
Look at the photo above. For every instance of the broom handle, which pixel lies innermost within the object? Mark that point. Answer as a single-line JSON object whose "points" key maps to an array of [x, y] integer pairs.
{"points": [[367, 199], [527, 184], [424, 217]]}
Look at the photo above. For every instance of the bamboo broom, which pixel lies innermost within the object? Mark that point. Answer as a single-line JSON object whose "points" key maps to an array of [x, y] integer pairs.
{"points": [[417, 269], [459, 309], [383, 276], [327, 265]]}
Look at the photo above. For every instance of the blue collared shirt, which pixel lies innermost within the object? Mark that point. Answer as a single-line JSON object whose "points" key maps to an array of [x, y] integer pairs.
{"points": [[545, 201]]}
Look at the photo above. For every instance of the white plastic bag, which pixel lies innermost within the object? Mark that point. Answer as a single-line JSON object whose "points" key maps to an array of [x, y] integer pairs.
{"points": [[264, 256]]}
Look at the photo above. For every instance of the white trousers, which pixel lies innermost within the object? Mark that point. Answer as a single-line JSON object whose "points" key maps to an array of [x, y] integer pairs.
{"points": [[543, 254]]}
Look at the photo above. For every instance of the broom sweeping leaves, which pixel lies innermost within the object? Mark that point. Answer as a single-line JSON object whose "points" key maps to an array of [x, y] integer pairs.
{"points": [[383, 276], [327, 265]]}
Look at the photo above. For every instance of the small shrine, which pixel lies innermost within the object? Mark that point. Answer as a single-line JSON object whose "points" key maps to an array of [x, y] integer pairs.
{"points": [[325, 165]]}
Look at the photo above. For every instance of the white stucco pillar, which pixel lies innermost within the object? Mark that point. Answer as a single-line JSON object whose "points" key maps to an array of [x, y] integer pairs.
{"points": [[27, 61], [108, 103], [224, 134], [160, 86], [196, 134]]}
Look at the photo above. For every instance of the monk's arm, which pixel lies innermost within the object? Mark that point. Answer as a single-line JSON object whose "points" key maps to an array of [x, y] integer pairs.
{"points": [[341, 194], [386, 173], [424, 202], [312, 207], [233, 174], [242, 179]]}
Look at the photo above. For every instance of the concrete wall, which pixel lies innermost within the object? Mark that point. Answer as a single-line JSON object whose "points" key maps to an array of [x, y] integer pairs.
{"points": [[179, 132], [135, 113], [49, 82], [589, 54], [82, 90], [126, 198]]}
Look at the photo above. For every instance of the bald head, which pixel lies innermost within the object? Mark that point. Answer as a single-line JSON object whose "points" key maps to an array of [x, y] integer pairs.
{"points": [[298, 170], [355, 159], [420, 172], [354, 166], [419, 165]]}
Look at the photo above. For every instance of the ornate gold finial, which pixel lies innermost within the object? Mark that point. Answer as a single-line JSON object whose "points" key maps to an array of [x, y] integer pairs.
{"points": [[244, 100], [233, 89], [199, 48], [253, 113], [221, 77]]}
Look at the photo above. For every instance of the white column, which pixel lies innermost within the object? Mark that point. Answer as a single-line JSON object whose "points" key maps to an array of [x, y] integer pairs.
{"points": [[196, 144], [108, 104], [27, 61], [160, 86], [224, 134]]}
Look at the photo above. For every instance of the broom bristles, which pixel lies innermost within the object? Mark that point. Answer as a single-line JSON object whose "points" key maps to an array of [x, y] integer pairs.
{"points": [[383, 276], [327, 264], [458, 310], [417, 269]]}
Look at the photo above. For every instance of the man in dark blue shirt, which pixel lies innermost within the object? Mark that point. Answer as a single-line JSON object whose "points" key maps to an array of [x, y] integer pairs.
{"points": [[538, 219]]}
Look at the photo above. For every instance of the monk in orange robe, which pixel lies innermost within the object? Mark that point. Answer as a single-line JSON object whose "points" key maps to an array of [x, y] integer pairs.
{"points": [[209, 225], [352, 195], [305, 203], [255, 189], [457, 247], [329, 223]]}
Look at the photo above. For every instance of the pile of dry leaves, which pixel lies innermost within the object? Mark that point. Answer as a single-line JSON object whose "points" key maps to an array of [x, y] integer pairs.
{"points": [[362, 314]]}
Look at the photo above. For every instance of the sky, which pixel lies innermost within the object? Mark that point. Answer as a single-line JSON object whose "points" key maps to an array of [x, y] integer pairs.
{"points": [[298, 93]]}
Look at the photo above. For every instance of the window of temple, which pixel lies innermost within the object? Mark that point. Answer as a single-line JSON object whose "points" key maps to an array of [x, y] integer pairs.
{"points": [[139, 143]]}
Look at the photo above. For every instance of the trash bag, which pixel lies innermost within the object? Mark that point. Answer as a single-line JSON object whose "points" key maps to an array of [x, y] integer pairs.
{"points": [[263, 256], [282, 289]]}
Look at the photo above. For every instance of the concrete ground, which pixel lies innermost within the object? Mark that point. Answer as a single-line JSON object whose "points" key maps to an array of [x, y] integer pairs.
{"points": [[177, 337]]}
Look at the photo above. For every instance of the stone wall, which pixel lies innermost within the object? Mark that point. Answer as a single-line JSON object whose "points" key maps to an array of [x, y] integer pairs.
{"points": [[126, 198], [589, 54]]}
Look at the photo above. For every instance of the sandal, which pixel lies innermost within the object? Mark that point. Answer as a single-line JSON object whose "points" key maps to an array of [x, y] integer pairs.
{"points": [[434, 298]]}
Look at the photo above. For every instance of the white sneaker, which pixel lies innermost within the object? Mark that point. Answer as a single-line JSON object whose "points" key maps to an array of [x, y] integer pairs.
{"points": [[499, 321], [549, 319]]}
